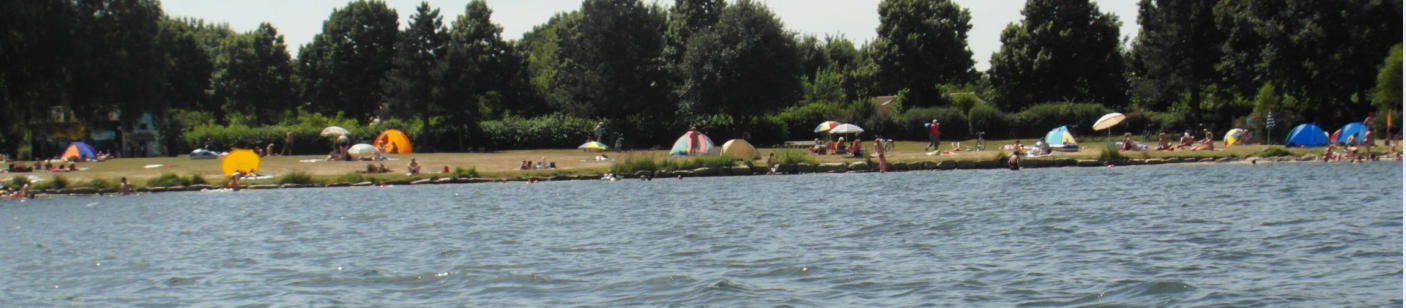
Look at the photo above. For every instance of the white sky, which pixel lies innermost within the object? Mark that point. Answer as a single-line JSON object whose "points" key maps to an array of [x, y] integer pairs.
{"points": [[300, 20]]}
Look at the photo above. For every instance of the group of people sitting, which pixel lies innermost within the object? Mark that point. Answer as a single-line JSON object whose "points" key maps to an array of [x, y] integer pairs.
{"points": [[1187, 142], [1356, 151], [41, 166], [539, 165], [838, 147]]}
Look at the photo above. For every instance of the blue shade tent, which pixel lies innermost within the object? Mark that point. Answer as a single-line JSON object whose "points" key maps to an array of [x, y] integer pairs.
{"points": [[1351, 129], [1306, 135]]}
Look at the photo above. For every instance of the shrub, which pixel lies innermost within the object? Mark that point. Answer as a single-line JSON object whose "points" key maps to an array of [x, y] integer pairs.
{"points": [[986, 118], [800, 120], [471, 172], [556, 130], [954, 123], [102, 184], [633, 164], [165, 180], [193, 179], [794, 156], [1275, 151], [1039, 119], [18, 181], [295, 177], [1110, 154], [711, 161], [58, 182]]}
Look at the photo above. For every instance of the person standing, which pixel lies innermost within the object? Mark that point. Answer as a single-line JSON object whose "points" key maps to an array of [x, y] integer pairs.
{"points": [[287, 144], [600, 131], [934, 136], [124, 188], [879, 149], [770, 170]]}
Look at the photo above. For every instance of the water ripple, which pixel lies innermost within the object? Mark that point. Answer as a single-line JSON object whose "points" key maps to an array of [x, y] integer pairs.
{"points": [[1171, 235]]}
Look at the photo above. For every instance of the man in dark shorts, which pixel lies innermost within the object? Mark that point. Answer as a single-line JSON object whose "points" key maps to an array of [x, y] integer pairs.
{"points": [[934, 136]]}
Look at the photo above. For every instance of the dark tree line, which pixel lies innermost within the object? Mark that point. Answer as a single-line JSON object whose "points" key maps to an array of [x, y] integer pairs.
{"points": [[649, 71]]}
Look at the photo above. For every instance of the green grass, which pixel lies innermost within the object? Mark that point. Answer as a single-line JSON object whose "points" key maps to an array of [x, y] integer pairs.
{"points": [[1275, 151], [295, 177], [1110, 154], [460, 172], [794, 156], [165, 180], [103, 184]]}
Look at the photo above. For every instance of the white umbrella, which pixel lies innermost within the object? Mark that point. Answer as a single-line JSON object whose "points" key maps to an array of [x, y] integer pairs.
{"points": [[334, 131], [846, 129], [362, 150], [1108, 120]]}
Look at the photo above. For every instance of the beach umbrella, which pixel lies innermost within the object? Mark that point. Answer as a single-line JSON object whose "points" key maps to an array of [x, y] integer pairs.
{"points": [[243, 160], [826, 126], [1108, 120], [362, 150], [1234, 135], [334, 131], [593, 146], [846, 129]]}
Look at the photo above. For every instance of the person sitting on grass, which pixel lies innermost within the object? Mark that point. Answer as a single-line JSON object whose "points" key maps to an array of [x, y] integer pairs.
{"points": [[1162, 144], [856, 148], [413, 168], [1127, 142]]}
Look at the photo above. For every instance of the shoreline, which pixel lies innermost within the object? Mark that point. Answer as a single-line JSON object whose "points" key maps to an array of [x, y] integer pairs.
{"points": [[738, 170]]}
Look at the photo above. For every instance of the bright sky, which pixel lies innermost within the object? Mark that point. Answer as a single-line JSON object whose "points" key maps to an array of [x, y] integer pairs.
{"points": [[300, 20]]}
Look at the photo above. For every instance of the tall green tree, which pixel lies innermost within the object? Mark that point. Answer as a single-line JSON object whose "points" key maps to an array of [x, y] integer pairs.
{"points": [[1323, 52], [922, 44], [34, 65], [253, 80], [188, 62], [421, 46], [1176, 53], [745, 66], [341, 70], [1387, 94], [1062, 51], [119, 64], [481, 74], [686, 18], [609, 63], [540, 50]]}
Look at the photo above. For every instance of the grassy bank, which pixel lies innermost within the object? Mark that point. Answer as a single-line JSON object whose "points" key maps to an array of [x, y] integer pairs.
{"points": [[571, 164]]}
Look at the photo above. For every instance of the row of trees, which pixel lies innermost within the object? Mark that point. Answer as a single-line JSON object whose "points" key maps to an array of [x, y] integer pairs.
{"points": [[727, 67]]}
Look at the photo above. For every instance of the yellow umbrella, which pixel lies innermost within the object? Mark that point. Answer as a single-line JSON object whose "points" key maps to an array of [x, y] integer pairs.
{"points": [[242, 160], [593, 146]]}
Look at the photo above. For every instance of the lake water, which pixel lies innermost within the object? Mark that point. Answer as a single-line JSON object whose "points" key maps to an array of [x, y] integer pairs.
{"points": [[1292, 234]]}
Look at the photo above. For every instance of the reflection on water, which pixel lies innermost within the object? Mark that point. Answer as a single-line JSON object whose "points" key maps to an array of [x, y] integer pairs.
{"points": [[1226, 234]]}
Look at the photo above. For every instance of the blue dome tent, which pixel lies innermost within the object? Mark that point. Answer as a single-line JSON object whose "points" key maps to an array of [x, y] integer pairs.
{"points": [[1306, 135]]}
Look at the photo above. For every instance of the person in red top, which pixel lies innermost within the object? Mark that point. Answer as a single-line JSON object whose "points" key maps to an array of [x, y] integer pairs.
{"points": [[934, 136]]}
